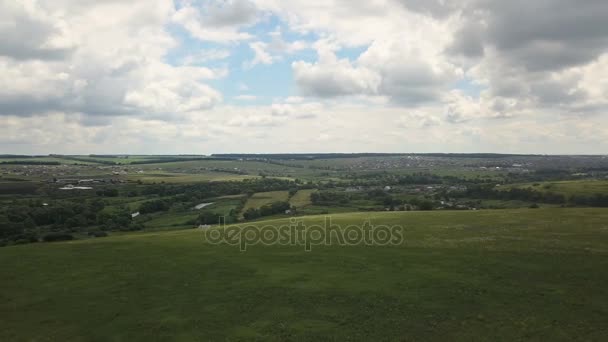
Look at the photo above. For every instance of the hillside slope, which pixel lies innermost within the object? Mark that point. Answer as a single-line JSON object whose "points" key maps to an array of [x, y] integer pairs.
{"points": [[505, 275]]}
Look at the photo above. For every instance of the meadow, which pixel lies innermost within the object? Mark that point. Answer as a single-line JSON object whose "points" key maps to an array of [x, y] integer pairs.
{"points": [[301, 198], [168, 177], [501, 275], [569, 187], [259, 199]]}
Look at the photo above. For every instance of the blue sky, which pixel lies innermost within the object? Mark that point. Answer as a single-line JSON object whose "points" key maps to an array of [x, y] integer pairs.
{"points": [[265, 82]]}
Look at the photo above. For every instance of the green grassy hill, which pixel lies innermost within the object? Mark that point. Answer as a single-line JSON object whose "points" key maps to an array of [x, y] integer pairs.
{"points": [[472, 275]]}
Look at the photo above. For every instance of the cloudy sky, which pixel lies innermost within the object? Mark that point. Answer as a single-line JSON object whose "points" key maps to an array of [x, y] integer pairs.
{"points": [[217, 76]]}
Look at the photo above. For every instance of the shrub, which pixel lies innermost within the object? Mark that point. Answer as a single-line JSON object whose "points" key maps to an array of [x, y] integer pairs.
{"points": [[98, 234], [53, 237]]}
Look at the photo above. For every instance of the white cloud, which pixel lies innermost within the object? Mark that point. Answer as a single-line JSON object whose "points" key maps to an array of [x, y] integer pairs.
{"points": [[337, 78], [417, 119], [389, 75], [115, 65], [29, 32], [273, 51], [404, 58], [261, 55], [217, 21]]}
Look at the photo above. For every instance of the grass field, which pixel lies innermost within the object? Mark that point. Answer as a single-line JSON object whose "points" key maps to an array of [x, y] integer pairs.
{"points": [[262, 198], [118, 160], [170, 219], [223, 205], [486, 275], [302, 198], [158, 177], [569, 188]]}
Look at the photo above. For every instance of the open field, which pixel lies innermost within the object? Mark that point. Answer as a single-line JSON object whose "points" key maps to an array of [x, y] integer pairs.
{"points": [[497, 275], [302, 198], [464, 271], [172, 220], [158, 177], [115, 159], [224, 205], [570, 187], [262, 198]]}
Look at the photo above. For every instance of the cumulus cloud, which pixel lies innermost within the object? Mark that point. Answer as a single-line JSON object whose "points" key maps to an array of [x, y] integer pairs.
{"points": [[115, 66], [536, 55], [255, 121], [336, 78], [217, 20], [28, 32], [387, 68], [463, 75], [274, 50], [539, 35], [261, 56], [417, 119], [403, 58]]}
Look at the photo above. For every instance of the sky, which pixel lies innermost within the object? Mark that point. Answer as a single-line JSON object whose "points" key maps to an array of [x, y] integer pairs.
{"points": [[262, 76]]}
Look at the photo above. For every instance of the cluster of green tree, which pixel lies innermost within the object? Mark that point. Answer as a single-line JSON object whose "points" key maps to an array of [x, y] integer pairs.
{"points": [[118, 220], [425, 178], [30, 222], [231, 171], [391, 203], [382, 199], [422, 204], [193, 192], [419, 178], [521, 194], [107, 192], [539, 176], [531, 195], [330, 198], [209, 217], [154, 206], [19, 187], [278, 207], [597, 200]]}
